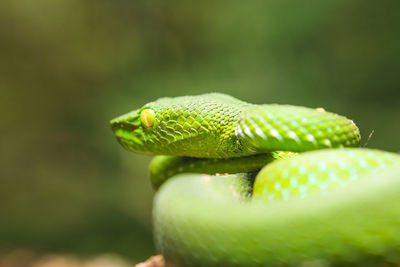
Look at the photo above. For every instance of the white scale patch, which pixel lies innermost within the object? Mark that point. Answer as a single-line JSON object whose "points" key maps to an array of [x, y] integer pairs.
{"points": [[277, 186], [311, 138], [293, 182], [294, 136], [261, 133], [285, 194], [275, 134], [327, 142], [312, 179]]}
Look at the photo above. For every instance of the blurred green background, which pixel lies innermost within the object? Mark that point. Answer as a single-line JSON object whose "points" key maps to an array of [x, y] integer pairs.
{"points": [[68, 66]]}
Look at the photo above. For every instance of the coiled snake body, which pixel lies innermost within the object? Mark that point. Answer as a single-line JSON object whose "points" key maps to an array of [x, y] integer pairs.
{"points": [[319, 200]]}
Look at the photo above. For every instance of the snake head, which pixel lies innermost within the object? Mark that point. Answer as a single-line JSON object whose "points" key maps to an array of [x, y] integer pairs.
{"points": [[193, 126], [135, 129]]}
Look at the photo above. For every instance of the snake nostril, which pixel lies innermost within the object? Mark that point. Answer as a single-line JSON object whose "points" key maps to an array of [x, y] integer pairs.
{"points": [[114, 124]]}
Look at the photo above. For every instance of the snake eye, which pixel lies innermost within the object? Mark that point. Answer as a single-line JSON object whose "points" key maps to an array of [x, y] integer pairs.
{"points": [[147, 117]]}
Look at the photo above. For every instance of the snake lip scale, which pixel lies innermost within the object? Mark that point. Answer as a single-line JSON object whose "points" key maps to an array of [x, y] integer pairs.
{"points": [[296, 188]]}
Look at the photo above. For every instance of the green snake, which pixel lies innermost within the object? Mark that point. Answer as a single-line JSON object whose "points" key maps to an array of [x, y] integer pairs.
{"points": [[240, 184]]}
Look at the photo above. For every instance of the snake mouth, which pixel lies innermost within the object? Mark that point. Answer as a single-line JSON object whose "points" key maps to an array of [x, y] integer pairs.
{"points": [[125, 132], [128, 131], [117, 125], [128, 122]]}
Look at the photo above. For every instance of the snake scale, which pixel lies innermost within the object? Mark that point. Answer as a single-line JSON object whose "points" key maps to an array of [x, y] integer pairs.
{"points": [[240, 184]]}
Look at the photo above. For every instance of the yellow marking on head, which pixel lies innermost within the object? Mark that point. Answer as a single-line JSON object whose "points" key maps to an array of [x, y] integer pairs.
{"points": [[147, 118]]}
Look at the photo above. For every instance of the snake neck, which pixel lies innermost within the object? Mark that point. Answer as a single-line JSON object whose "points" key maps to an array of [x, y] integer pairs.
{"points": [[265, 128]]}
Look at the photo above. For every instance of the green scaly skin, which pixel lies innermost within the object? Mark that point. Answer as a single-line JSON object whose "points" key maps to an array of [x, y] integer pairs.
{"points": [[331, 207]]}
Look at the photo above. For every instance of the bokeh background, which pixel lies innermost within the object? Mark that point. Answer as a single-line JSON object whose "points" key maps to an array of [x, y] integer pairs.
{"points": [[68, 66]]}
